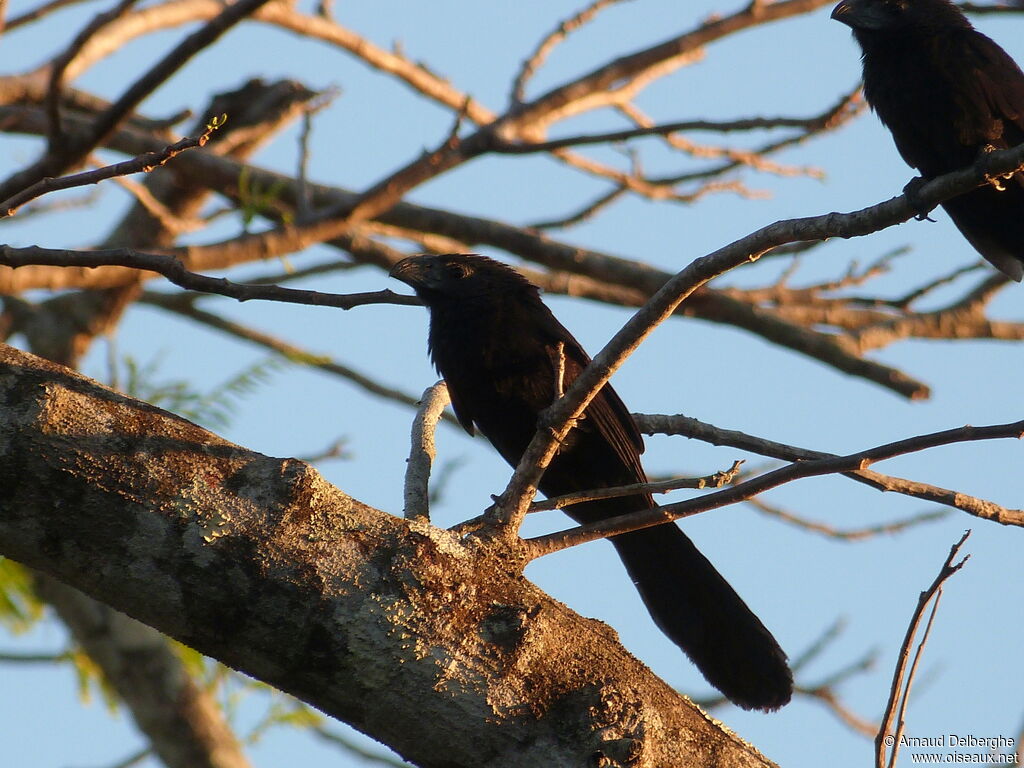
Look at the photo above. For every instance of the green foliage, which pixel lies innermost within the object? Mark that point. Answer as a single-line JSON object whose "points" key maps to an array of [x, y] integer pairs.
{"points": [[216, 122], [232, 689], [211, 409], [20, 609], [255, 201], [89, 677], [286, 711]]}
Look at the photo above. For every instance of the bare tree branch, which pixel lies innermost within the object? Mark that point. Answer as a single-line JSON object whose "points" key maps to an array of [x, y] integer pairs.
{"points": [[421, 456], [901, 681], [847, 534], [536, 59], [690, 427], [749, 124], [613, 278], [172, 269], [141, 164], [542, 545], [38, 12]]}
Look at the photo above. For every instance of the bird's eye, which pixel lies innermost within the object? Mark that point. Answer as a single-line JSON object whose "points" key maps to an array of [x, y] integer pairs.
{"points": [[458, 270]]}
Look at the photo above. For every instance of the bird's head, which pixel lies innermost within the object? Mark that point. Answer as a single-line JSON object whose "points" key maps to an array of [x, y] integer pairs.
{"points": [[458, 277], [894, 15]]}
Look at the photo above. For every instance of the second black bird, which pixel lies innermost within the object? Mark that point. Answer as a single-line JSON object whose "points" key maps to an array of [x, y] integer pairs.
{"points": [[947, 93], [497, 346]]}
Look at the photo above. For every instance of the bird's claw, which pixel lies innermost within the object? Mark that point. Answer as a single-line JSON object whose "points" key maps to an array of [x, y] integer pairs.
{"points": [[912, 192]]}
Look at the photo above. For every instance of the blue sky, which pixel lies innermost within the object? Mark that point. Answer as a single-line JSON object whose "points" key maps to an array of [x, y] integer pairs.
{"points": [[798, 583]]}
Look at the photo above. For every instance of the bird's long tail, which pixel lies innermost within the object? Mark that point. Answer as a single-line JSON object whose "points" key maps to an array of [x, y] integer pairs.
{"points": [[698, 610]]}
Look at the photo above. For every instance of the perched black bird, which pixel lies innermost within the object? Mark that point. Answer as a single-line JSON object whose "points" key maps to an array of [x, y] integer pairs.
{"points": [[496, 344], [947, 93]]}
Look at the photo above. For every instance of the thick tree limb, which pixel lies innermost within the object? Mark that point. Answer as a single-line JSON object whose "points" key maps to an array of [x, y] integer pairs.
{"points": [[444, 653], [179, 716]]}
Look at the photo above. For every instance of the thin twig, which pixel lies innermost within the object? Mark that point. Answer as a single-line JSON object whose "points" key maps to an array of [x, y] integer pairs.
{"points": [[824, 690], [13, 657], [133, 759], [689, 427], [168, 219], [543, 545], [336, 450], [714, 480], [749, 124], [847, 534], [303, 206], [534, 61], [901, 682], [352, 747], [172, 269], [846, 716], [38, 13], [107, 122], [819, 646], [140, 164]]}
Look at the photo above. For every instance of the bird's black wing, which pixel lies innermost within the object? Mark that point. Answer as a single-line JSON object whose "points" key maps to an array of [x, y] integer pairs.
{"points": [[992, 105], [606, 413]]}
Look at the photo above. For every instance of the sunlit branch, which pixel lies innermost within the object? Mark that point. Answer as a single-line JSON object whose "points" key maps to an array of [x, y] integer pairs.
{"points": [[535, 60], [693, 428], [421, 455], [542, 545]]}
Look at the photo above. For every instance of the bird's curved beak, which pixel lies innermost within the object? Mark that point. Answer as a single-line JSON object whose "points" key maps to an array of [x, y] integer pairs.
{"points": [[858, 14], [409, 270], [844, 9]]}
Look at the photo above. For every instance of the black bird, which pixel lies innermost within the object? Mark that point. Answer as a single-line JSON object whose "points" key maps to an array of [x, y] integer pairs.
{"points": [[947, 93], [496, 344]]}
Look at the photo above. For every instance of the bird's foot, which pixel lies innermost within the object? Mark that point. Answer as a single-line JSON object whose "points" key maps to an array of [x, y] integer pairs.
{"points": [[912, 192]]}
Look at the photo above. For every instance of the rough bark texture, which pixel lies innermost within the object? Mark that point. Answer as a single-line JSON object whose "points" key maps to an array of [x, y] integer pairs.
{"points": [[440, 650]]}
